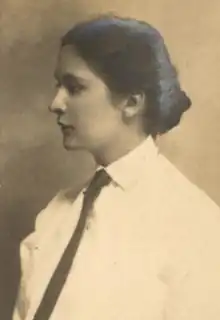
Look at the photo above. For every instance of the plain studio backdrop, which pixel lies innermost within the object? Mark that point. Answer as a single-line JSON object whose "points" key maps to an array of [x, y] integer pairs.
{"points": [[33, 164]]}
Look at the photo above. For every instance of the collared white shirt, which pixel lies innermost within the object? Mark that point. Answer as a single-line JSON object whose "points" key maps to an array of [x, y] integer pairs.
{"points": [[151, 249]]}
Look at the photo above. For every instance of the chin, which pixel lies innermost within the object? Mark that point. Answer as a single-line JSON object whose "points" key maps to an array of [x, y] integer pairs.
{"points": [[71, 145]]}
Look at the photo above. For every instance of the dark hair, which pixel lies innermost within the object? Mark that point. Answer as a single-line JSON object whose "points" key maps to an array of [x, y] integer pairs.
{"points": [[131, 57]]}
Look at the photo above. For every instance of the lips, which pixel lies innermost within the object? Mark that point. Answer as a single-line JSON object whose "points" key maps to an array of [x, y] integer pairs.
{"points": [[67, 128], [64, 127]]}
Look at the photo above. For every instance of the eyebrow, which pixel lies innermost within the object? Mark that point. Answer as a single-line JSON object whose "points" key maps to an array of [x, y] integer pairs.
{"points": [[68, 77]]}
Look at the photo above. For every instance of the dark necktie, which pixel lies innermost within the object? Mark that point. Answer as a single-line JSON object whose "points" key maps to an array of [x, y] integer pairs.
{"points": [[54, 288]]}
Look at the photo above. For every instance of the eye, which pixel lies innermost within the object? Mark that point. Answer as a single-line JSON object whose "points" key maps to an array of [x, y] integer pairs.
{"points": [[74, 88], [70, 83]]}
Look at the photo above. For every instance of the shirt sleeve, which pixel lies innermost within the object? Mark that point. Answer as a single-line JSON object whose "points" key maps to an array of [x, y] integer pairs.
{"points": [[27, 248]]}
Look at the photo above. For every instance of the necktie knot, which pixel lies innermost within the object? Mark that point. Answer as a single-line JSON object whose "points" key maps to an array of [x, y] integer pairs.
{"points": [[99, 180]]}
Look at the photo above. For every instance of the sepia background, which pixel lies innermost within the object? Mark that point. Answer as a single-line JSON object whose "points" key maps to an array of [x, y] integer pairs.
{"points": [[33, 164]]}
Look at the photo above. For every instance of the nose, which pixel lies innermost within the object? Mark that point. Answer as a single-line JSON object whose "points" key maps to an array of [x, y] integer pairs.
{"points": [[58, 105]]}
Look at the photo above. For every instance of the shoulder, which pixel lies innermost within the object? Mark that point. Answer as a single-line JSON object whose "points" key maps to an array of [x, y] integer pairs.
{"points": [[49, 219], [191, 217], [56, 208], [188, 221], [183, 192]]}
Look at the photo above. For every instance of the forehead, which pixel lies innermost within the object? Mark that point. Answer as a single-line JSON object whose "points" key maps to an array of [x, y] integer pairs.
{"points": [[69, 62]]}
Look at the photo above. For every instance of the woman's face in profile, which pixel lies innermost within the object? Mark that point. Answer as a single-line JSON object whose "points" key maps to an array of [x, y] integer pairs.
{"points": [[84, 110]]}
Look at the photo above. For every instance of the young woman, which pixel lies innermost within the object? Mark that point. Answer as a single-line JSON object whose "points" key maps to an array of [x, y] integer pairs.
{"points": [[140, 242]]}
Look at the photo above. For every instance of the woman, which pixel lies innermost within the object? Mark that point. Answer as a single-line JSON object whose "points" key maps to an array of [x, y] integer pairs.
{"points": [[143, 244]]}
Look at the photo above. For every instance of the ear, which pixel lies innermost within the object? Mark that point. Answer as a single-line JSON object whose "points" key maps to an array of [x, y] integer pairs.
{"points": [[135, 105]]}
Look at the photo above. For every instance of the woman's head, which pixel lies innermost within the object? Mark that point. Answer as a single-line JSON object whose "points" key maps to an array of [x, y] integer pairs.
{"points": [[132, 61]]}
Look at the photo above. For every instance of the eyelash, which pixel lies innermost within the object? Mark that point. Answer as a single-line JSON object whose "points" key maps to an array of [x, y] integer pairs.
{"points": [[73, 89]]}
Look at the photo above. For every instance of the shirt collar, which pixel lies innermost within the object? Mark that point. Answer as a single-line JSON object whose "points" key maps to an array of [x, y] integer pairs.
{"points": [[127, 170]]}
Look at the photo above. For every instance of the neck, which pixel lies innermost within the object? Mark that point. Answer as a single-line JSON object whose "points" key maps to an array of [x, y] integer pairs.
{"points": [[117, 149]]}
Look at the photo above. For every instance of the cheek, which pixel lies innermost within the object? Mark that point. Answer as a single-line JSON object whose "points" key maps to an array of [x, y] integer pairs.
{"points": [[88, 110], [93, 116]]}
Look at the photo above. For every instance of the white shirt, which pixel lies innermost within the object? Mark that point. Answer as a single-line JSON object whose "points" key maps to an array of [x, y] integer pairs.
{"points": [[151, 250]]}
